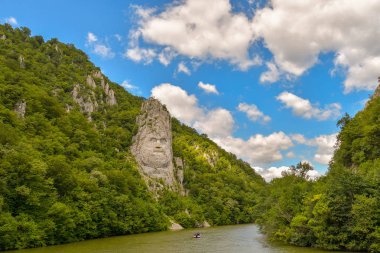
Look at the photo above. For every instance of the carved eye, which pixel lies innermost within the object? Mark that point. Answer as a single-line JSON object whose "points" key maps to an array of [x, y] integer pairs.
{"points": [[153, 139], [163, 140]]}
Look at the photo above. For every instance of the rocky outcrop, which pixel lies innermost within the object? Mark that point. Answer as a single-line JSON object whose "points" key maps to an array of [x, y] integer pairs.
{"points": [[152, 146], [86, 101], [3, 37], [175, 226], [21, 61], [91, 82], [20, 109], [110, 94], [85, 95]]}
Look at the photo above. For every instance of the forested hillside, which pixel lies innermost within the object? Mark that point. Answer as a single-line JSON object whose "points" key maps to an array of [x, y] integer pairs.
{"points": [[66, 172], [340, 211]]}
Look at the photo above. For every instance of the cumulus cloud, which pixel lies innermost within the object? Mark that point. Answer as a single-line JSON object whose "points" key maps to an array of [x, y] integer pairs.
{"points": [[200, 29], [303, 107], [98, 48], [11, 21], [325, 145], [208, 88], [218, 122], [325, 148], [272, 75], [348, 28], [166, 56], [298, 138], [91, 38], [253, 113], [258, 149], [103, 51], [182, 68], [211, 30], [138, 54]]}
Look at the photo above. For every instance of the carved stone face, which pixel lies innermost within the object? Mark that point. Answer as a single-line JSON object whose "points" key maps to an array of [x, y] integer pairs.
{"points": [[155, 150]]}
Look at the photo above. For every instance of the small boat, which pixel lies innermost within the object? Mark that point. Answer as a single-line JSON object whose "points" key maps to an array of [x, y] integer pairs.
{"points": [[197, 235]]}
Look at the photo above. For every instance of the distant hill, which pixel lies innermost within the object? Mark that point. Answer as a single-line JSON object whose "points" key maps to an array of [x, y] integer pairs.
{"points": [[66, 171]]}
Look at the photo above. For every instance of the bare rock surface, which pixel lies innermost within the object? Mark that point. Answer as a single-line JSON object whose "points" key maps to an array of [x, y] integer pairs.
{"points": [[20, 108], [86, 101], [85, 95], [175, 226], [152, 145]]}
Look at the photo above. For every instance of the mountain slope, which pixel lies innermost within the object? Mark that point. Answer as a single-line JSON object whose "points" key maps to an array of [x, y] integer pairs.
{"points": [[66, 171]]}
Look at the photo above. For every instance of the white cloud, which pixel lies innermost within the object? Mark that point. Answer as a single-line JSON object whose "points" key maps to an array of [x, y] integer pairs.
{"points": [[91, 38], [298, 138], [303, 107], [348, 28], [126, 85], [11, 21], [208, 88], [140, 54], [200, 29], [103, 51], [325, 146], [272, 75], [166, 56], [99, 48], [218, 122], [253, 113], [182, 68], [258, 149], [205, 30]]}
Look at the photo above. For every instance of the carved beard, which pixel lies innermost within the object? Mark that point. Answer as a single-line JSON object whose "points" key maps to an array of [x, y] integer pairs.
{"points": [[155, 151]]}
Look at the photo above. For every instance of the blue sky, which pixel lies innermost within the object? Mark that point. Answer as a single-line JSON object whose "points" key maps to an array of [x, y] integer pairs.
{"points": [[265, 81]]}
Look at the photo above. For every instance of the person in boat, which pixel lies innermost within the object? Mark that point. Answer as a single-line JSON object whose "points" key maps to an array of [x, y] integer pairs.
{"points": [[197, 235]]}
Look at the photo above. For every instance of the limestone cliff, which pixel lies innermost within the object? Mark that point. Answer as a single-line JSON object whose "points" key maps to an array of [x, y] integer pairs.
{"points": [[152, 147], [86, 95]]}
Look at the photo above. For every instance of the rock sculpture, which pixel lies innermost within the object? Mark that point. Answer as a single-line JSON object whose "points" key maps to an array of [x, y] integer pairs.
{"points": [[152, 145]]}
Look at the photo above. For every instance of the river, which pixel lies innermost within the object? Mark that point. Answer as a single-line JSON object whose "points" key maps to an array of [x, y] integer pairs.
{"points": [[238, 238]]}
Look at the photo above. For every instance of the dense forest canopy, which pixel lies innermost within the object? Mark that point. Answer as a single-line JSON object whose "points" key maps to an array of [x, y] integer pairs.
{"points": [[66, 172]]}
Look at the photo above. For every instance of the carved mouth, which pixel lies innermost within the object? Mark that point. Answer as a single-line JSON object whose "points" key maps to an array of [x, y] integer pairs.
{"points": [[158, 151]]}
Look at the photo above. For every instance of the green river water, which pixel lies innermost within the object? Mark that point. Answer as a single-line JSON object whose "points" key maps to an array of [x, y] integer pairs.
{"points": [[238, 238]]}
